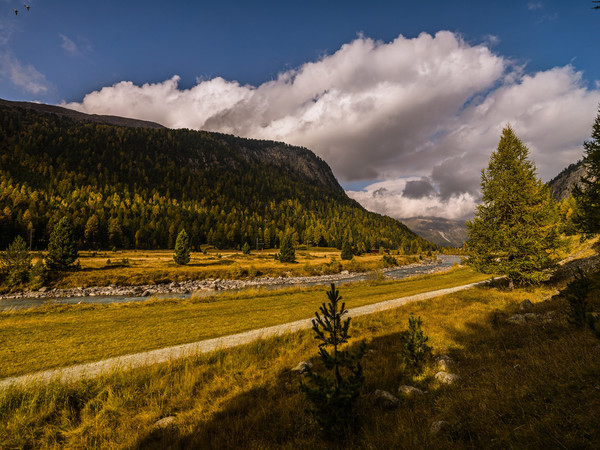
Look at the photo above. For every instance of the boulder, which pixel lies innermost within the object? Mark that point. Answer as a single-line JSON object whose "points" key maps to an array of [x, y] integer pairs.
{"points": [[517, 318], [409, 390], [525, 305], [444, 362], [385, 400], [438, 427], [447, 378], [165, 422], [302, 367]]}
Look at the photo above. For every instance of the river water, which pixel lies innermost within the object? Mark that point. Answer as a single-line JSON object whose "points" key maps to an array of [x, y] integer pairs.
{"points": [[444, 262]]}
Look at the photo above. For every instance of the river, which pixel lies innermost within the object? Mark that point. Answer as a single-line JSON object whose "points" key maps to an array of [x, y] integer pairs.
{"points": [[443, 263]]}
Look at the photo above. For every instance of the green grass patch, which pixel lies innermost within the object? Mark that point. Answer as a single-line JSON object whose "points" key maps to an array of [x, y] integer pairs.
{"points": [[522, 386], [58, 336]]}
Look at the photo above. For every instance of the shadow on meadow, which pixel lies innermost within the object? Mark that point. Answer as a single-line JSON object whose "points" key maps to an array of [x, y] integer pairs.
{"points": [[529, 385]]}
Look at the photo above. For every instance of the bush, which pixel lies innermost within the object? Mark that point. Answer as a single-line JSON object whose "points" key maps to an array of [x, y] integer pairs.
{"points": [[576, 294], [38, 276], [346, 251], [415, 350], [333, 396], [389, 261]]}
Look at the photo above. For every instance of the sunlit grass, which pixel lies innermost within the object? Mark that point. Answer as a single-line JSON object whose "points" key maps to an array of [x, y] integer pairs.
{"points": [[523, 386], [56, 336]]}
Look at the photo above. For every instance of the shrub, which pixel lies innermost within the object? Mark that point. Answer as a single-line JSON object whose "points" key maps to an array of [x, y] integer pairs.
{"points": [[346, 251], [38, 276], [389, 261], [333, 396], [576, 294], [415, 350]]}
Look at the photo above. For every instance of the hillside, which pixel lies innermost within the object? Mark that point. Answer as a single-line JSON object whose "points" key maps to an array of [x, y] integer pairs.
{"points": [[138, 185], [440, 231], [561, 185]]}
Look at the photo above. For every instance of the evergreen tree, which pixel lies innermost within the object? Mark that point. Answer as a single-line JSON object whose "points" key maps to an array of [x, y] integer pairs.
{"points": [[246, 248], [346, 250], [515, 229], [333, 397], [15, 263], [587, 193], [286, 250], [415, 350], [182, 248], [62, 250]]}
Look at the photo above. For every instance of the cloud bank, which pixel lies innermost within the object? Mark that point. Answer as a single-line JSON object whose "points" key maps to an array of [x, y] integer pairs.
{"points": [[422, 114]]}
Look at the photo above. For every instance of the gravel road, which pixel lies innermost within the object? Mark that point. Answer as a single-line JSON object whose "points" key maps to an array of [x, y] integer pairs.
{"points": [[94, 369]]}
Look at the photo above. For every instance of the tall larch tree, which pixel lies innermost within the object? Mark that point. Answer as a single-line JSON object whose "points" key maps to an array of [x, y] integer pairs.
{"points": [[587, 192], [515, 228], [62, 249]]}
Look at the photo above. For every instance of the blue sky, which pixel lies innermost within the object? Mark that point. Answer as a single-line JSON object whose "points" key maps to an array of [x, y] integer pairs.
{"points": [[395, 102]]}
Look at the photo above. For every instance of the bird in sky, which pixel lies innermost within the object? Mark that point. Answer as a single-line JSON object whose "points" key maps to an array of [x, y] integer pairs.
{"points": [[596, 6], [16, 12], [27, 7]]}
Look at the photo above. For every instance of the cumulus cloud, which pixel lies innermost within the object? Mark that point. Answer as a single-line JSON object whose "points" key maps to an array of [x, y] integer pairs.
{"points": [[422, 113]]}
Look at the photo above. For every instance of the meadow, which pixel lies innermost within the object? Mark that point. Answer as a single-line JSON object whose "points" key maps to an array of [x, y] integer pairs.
{"points": [[62, 335], [531, 385], [137, 267]]}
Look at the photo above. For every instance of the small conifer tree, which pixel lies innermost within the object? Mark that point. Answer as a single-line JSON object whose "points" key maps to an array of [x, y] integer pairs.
{"points": [[333, 396], [577, 292], [182, 248], [62, 249], [415, 350], [346, 250], [16, 262], [246, 248], [287, 253]]}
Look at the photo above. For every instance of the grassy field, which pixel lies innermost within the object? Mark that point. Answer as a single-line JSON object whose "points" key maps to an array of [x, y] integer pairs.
{"points": [[533, 385], [135, 267], [56, 336]]}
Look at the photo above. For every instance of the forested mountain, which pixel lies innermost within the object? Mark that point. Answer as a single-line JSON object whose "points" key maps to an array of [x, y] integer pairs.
{"points": [[138, 186], [440, 231]]}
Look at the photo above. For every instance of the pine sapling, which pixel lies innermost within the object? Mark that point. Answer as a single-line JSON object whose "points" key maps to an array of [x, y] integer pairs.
{"points": [[415, 350], [333, 396]]}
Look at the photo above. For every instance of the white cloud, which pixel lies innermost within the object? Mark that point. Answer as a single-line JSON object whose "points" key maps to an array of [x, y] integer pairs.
{"points": [[532, 6], [68, 45], [24, 76], [431, 106]]}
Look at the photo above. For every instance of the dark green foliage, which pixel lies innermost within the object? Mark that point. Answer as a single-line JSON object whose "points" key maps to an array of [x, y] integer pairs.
{"points": [[246, 248], [182, 248], [144, 185], [389, 261], [587, 192], [38, 275], [62, 250], [576, 293], [287, 253], [415, 350], [15, 263], [515, 229], [333, 396], [346, 250]]}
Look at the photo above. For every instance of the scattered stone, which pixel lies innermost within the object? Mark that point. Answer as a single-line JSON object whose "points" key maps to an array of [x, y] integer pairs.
{"points": [[385, 400], [146, 293], [438, 426], [447, 378], [517, 318], [165, 422], [302, 367], [525, 305], [444, 362], [409, 390], [43, 289]]}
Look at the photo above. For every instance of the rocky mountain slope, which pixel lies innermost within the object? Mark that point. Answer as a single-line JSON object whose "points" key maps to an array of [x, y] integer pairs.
{"points": [[561, 185], [440, 231]]}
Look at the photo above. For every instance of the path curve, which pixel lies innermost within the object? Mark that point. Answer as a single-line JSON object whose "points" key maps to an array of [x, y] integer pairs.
{"points": [[91, 370]]}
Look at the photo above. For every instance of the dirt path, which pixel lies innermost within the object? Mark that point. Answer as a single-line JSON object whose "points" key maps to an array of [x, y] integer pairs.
{"points": [[90, 370]]}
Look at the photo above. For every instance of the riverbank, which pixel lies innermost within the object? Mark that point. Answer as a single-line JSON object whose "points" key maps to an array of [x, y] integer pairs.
{"points": [[203, 287]]}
